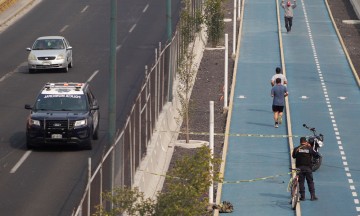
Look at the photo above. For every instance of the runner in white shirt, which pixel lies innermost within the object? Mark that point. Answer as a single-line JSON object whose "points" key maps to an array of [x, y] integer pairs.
{"points": [[278, 75]]}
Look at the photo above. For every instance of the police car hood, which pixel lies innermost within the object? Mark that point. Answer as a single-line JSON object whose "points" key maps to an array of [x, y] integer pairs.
{"points": [[72, 115]]}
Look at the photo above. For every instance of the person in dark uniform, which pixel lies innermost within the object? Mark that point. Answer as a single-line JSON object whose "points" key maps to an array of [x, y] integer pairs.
{"points": [[303, 155]]}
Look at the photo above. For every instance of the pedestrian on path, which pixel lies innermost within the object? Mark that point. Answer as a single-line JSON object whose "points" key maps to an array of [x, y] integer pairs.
{"points": [[303, 155], [278, 74], [278, 92], [289, 13]]}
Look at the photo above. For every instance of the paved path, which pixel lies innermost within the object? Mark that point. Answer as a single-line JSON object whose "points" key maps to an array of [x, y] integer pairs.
{"points": [[323, 94]]}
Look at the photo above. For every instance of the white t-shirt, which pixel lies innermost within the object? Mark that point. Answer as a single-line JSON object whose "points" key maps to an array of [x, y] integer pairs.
{"points": [[281, 76]]}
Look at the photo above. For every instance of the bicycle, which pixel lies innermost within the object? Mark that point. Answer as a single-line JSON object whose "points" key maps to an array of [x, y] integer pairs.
{"points": [[293, 187]]}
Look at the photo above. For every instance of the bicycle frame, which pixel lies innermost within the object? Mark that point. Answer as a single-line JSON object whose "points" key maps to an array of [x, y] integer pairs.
{"points": [[294, 188]]}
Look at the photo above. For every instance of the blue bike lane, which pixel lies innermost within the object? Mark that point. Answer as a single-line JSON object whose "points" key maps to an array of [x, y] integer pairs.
{"points": [[257, 161], [323, 94]]}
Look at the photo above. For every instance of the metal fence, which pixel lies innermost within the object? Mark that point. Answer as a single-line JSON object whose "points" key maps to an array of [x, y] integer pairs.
{"points": [[118, 165]]}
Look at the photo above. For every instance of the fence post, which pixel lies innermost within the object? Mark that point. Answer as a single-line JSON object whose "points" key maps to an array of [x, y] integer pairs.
{"points": [[234, 30], [226, 74], [211, 144], [89, 186]]}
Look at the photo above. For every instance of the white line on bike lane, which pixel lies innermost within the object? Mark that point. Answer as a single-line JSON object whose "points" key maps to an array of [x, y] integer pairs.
{"points": [[336, 130]]}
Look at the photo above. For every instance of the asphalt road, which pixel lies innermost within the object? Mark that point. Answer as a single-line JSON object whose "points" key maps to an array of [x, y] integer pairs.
{"points": [[51, 181]]}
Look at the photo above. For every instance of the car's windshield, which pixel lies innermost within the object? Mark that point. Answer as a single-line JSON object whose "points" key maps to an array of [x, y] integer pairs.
{"points": [[61, 102], [45, 44]]}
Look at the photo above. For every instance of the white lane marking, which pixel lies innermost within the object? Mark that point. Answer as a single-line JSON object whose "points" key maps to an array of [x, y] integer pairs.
{"points": [[92, 76], [64, 28], [145, 9], [342, 152], [13, 72], [21, 161], [6, 76], [84, 9], [132, 28]]}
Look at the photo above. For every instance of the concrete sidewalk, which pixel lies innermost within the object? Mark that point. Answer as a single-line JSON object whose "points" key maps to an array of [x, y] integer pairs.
{"points": [[17, 9]]}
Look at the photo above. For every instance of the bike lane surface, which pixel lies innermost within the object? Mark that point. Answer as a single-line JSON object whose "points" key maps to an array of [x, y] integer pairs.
{"points": [[260, 162], [323, 94]]}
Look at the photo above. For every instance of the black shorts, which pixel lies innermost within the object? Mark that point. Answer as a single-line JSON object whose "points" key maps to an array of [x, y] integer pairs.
{"points": [[277, 108]]}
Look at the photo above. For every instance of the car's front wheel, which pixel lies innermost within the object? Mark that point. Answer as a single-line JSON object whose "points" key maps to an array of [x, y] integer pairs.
{"points": [[32, 70], [66, 69], [29, 146], [96, 133]]}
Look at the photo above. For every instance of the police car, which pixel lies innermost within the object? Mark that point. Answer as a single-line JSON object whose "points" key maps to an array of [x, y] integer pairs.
{"points": [[64, 113]]}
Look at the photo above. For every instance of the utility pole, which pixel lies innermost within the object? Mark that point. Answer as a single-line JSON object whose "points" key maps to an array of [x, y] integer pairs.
{"points": [[112, 72], [169, 34], [112, 87]]}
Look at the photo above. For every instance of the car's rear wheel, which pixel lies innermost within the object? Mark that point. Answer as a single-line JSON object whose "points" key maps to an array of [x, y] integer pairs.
{"points": [[71, 65]]}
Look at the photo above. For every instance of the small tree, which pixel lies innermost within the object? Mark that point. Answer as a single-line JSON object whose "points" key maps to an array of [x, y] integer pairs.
{"points": [[126, 200], [186, 193], [189, 25], [214, 20]]}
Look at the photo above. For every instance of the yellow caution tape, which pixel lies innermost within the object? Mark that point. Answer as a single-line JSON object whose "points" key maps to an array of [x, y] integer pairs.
{"points": [[238, 134], [227, 182]]}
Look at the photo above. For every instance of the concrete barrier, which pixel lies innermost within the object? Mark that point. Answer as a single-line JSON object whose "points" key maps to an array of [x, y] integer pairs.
{"points": [[150, 176]]}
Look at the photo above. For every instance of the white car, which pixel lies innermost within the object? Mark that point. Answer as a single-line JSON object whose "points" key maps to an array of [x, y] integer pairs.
{"points": [[50, 52]]}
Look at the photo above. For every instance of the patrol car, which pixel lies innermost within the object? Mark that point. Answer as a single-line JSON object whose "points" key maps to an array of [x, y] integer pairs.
{"points": [[64, 113]]}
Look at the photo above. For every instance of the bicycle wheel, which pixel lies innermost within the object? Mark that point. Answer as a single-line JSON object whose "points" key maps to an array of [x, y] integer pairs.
{"points": [[295, 194]]}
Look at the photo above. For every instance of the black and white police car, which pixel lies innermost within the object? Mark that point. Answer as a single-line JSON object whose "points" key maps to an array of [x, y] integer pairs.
{"points": [[64, 113]]}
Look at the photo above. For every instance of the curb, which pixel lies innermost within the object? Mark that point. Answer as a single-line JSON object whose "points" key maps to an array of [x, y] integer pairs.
{"points": [[11, 9]]}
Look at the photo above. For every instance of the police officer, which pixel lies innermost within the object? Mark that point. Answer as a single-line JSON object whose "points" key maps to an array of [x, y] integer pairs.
{"points": [[303, 155]]}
